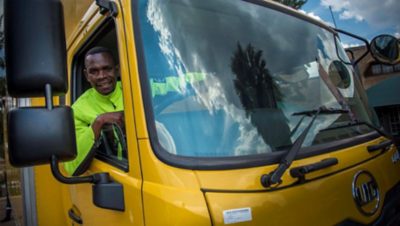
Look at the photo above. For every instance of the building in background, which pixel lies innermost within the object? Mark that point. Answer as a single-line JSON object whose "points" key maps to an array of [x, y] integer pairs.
{"points": [[382, 84]]}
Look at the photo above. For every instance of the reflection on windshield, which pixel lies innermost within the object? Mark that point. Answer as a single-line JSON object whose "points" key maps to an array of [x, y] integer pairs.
{"points": [[225, 78], [259, 95]]}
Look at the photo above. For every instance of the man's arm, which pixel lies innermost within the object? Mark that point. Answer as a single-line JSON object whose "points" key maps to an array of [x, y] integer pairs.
{"points": [[106, 118], [86, 136]]}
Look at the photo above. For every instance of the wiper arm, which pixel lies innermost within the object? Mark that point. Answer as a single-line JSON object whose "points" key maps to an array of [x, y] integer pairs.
{"points": [[274, 177]]}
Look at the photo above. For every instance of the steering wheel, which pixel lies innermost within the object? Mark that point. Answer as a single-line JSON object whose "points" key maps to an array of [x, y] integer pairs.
{"points": [[110, 145]]}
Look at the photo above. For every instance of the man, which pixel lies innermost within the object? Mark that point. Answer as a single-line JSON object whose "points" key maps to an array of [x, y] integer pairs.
{"points": [[100, 105]]}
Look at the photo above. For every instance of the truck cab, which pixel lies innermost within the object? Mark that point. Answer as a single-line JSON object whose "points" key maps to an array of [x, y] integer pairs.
{"points": [[236, 112]]}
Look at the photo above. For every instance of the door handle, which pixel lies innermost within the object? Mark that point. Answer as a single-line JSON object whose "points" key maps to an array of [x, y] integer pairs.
{"points": [[74, 216], [385, 145]]}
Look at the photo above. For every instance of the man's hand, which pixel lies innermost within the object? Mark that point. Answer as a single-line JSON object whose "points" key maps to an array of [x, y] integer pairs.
{"points": [[110, 117]]}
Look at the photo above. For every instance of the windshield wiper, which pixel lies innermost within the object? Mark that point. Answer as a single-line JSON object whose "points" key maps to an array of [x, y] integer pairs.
{"points": [[274, 177], [322, 110], [357, 123]]}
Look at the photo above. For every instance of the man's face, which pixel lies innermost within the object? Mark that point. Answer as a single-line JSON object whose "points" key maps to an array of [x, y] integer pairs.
{"points": [[100, 72]]}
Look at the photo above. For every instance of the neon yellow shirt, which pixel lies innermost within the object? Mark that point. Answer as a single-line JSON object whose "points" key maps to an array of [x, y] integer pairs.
{"points": [[88, 106]]}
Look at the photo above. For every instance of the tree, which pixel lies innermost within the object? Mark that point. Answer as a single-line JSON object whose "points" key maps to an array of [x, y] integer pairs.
{"points": [[259, 95], [296, 4], [254, 83]]}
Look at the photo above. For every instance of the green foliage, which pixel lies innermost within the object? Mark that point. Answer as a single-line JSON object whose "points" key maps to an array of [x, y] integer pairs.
{"points": [[296, 4]]}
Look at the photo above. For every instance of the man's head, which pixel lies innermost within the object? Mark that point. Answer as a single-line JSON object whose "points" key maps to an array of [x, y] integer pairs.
{"points": [[100, 70]]}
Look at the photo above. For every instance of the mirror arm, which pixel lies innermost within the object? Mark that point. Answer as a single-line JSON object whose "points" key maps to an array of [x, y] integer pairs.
{"points": [[67, 180], [54, 160], [98, 178], [48, 96], [359, 38]]}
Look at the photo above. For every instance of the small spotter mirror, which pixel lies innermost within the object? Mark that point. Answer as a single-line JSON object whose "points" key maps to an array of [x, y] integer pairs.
{"points": [[386, 49]]}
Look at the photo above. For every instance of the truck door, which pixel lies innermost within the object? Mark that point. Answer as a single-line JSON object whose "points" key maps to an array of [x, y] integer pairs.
{"points": [[119, 160]]}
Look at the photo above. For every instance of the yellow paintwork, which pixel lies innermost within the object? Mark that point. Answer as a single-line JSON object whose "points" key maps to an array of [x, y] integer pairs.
{"points": [[158, 194], [172, 193], [74, 11], [50, 201], [326, 201]]}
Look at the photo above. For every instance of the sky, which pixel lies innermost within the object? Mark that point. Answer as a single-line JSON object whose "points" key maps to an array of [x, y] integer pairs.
{"points": [[365, 18]]}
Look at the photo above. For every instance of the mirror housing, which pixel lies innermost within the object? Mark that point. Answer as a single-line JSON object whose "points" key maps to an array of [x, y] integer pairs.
{"points": [[36, 67], [108, 194], [35, 54], [35, 47], [38, 133], [385, 49]]}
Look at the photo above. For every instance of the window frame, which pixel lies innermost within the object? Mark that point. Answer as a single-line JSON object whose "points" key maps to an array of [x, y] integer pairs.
{"points": [[79, 84], [232, 162]]}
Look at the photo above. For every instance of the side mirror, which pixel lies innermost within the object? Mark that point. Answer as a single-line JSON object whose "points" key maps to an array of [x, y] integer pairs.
{"points": [[35, 53], [35, 47], [385, 49], [38, 133]]}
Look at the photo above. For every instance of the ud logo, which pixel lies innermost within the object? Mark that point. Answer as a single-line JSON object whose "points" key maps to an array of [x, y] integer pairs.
{"points": [[366, 193]]}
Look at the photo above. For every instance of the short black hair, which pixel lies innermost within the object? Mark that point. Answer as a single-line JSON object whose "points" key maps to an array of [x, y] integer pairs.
{"points": [[100, 49]]}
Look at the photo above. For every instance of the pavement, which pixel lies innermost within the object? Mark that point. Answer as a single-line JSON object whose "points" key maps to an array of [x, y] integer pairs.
{"points": [[14, 189], [16, 211]]}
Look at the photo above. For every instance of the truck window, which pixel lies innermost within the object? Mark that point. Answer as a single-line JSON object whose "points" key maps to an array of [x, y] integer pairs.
{"points": [[227, 79], [111, 145]]}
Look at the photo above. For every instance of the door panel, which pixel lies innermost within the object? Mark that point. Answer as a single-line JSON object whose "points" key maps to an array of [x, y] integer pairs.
{"points": [[97, 32]]}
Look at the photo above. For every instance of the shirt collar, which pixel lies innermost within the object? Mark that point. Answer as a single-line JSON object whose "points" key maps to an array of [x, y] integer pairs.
{"points": [[113, 96]]}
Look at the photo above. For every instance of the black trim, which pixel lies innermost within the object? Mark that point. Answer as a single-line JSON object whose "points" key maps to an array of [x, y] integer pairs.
{"points": [[222, 163], [120, 164], [208, 208], [367, 46], [73, 216], [85, 164]]}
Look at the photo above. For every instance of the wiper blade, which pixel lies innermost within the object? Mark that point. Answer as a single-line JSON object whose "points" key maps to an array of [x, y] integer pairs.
{"points": [[322, 110], [274, 177], [358, 123]]}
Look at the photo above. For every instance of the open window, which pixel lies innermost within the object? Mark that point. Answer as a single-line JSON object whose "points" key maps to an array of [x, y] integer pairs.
{"points": [[111, 146]]}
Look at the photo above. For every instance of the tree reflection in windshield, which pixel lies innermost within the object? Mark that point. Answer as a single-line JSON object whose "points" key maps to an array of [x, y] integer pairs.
{"points": [[254, 84], [259, 95]]}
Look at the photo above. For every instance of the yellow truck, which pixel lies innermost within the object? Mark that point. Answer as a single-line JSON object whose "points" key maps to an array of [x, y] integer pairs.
{"points": [[236, 113]]}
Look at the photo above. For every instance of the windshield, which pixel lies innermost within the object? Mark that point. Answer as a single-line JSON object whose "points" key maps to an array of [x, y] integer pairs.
{"points": [[226, 78]]}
